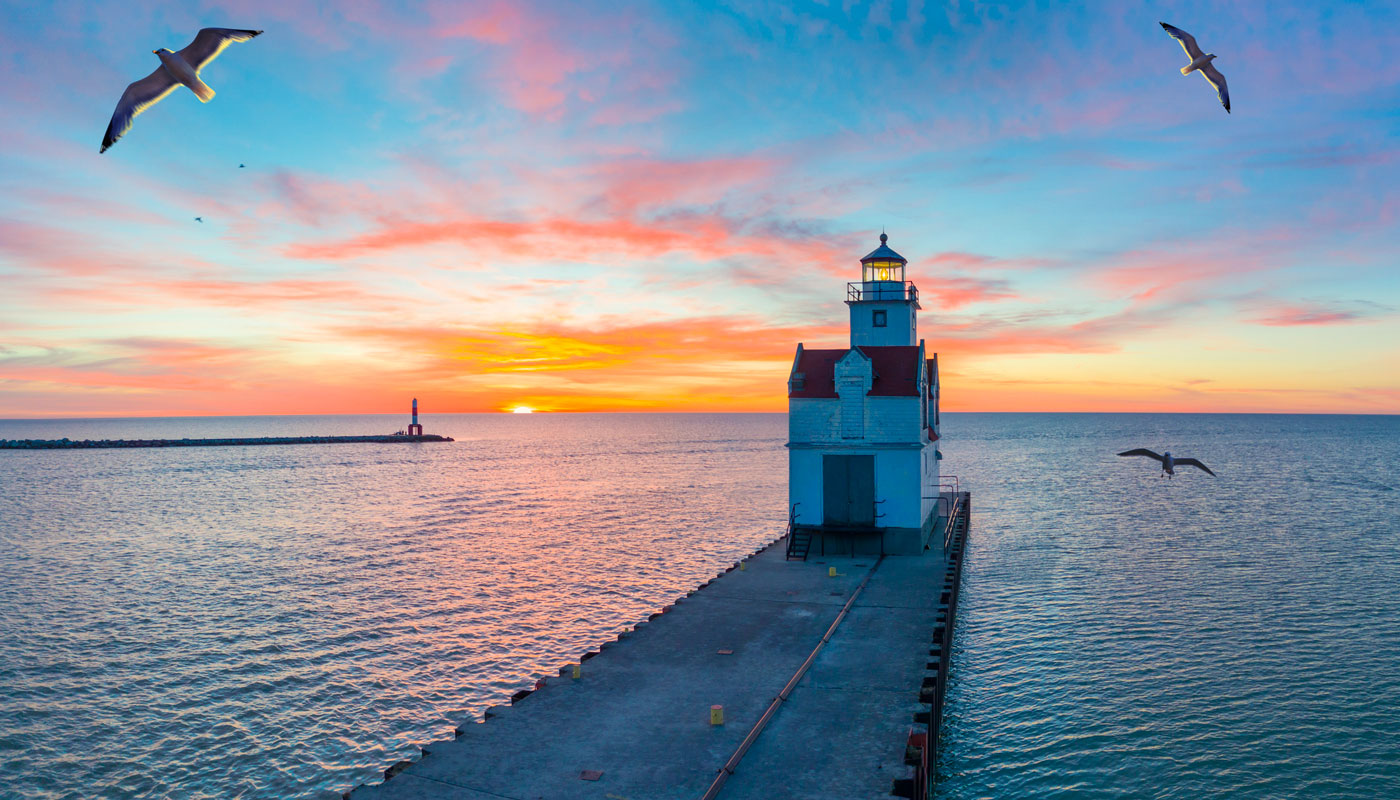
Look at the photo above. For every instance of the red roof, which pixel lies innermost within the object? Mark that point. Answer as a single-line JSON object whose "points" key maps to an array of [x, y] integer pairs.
{"points": [[819, 369], [896, 371]]}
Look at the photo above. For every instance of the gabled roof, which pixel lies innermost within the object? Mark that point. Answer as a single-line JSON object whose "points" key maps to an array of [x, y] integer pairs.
{"points": [[818, 368], [896, 371]]}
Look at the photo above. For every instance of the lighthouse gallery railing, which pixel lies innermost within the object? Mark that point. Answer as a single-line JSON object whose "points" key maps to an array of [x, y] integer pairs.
{"points": [[882, 290]]}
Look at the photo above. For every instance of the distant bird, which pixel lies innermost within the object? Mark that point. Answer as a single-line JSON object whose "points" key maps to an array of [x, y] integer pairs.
{"points": [[199, 219], [241, 166], [1200, 61], [175, 69], [1168, 463]]}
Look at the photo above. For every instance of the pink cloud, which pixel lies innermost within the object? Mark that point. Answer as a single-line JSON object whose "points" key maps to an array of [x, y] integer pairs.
{"points": [[631, 184], [953, 292], [1296, 315], [540, 59], [707, 237]]}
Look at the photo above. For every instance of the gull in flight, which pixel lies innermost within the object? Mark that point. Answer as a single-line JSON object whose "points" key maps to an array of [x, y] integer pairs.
{"points": [[1200, 62], [1168, 462], [175, 69], [199, 219]]}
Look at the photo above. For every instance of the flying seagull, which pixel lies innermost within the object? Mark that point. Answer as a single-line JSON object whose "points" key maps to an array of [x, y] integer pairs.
{"points": [[1168, 463], [1200, 61], [175, 69], [241, 166], [199, 219]]}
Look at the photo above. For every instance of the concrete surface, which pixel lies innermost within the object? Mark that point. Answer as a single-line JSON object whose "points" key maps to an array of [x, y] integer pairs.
{"points": [[640, 713]]}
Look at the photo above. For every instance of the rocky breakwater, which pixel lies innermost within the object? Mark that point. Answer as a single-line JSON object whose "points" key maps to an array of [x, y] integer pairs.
{"points": [[67, 444]]}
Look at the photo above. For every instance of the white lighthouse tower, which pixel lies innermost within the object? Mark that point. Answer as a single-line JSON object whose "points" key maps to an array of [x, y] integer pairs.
{"points": [[863, 425]]}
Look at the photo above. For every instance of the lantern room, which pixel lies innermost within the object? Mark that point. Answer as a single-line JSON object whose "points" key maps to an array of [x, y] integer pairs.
{"points": [[883, 264]]}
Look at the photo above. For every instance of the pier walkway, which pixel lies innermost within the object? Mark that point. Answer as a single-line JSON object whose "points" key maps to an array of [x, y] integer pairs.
{"points": [[640, 712]]}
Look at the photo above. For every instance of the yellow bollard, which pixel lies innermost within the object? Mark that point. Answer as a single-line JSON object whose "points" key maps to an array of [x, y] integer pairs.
{"points": [[831, 572], [743, 565], [716, 715], [578, 671]]}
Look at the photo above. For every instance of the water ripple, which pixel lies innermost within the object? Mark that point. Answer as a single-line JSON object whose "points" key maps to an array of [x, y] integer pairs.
{"points": [[1125, 636], [282, 622]]}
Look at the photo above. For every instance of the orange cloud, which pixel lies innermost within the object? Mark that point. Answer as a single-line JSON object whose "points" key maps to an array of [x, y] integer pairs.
{"points": [[689, 364]]}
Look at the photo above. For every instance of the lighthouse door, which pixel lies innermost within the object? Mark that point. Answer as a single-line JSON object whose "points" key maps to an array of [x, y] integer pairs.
{"points": [[848, 490]]}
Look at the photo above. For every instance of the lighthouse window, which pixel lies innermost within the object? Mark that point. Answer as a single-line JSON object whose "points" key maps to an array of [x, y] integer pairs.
{"points": [[879, 320]]}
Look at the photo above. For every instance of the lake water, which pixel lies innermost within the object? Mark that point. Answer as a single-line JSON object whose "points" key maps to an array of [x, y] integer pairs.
{"points": [[286, 621]]}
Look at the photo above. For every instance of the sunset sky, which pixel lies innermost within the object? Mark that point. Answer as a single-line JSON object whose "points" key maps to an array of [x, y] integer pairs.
{"points": [[618, 206]]}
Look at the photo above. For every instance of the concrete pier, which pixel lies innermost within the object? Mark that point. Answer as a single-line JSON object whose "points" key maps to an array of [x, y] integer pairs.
{"points": [[637, 722]]}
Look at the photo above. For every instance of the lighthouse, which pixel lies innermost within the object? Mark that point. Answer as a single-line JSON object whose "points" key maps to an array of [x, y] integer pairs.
{"points": [[414, 429], [863, 425]]}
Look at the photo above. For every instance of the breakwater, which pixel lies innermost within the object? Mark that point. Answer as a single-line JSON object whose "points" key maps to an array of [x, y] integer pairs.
{"points": [[66, 444]]}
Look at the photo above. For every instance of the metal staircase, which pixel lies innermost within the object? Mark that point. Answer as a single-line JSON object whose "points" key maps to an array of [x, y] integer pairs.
{"points": [[799, 542]]}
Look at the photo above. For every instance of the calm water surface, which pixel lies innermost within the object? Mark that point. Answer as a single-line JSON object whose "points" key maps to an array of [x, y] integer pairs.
{"points": [[1121, 635], [286, 621], [278, 622]]}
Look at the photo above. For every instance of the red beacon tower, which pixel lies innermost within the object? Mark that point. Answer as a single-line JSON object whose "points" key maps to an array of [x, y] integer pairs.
{"points": [[414, 429]]}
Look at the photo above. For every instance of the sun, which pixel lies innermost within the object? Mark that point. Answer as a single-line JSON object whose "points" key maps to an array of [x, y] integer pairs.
{"points": [[522, 410]]}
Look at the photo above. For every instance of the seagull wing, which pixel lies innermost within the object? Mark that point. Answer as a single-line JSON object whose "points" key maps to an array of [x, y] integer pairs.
{"points": [[1141, 451], [1188, 42], [1194, 463], [138, 97], [209, 43], [1218, 81]]}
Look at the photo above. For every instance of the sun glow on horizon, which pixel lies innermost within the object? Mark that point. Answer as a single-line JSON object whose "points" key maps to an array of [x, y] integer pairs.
{"points": [[522, 410]]}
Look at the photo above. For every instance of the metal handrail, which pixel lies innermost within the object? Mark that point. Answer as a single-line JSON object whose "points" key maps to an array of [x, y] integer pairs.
{"points": [[955, 511], [855, 292], [792, 523]]}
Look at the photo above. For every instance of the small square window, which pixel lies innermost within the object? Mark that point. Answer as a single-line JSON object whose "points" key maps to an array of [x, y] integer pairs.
{"points": [[879, 320]]}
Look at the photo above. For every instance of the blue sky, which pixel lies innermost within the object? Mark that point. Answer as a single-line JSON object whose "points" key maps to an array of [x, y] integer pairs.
{"points": [[622, 206]]}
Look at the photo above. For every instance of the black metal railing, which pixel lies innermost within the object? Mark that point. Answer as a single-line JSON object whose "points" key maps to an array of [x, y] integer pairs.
{"points": [[882, 290], [791, 532], [955, 514]]}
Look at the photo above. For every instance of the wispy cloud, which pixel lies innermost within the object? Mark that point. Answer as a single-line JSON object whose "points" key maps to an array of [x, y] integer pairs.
{"points": [[1304, 314]]}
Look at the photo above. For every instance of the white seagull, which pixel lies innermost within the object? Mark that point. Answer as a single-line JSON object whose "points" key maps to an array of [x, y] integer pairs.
{"points": [[1168, 463], [175, 69], [1200, 61]]}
